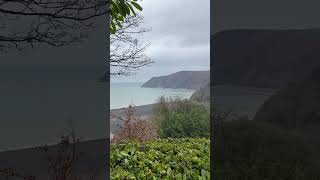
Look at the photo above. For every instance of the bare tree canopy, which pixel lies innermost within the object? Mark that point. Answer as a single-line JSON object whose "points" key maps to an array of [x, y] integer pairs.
{"points": [[51, 22], [127, 53], [57, 23]]}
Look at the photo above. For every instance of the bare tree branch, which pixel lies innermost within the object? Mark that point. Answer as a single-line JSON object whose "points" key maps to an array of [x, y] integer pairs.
{"points": [[62, 158], [51, 22], [127, 53]]}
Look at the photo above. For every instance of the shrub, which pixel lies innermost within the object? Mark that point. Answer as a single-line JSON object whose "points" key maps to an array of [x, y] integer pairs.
{"points": [[134, 129], [245, 149], [178, 118], [161, 159]]}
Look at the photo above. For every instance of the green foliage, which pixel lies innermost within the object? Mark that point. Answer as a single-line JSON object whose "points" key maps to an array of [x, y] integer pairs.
{"points": [[248, 150], [162, 159], [119, 10], [178, 118]]}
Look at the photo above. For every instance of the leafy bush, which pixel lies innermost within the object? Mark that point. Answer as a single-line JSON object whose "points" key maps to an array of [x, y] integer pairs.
{"points": [[179, 118], [161, 159], [248, 150]]}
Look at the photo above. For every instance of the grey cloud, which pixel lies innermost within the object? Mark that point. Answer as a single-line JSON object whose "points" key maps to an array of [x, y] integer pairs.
{"points": [[179, 37], [266, 14]]}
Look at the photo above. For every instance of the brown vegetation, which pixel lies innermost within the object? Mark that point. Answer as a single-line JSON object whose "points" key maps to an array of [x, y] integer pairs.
{"points": [[134, 128], [61, 161]]}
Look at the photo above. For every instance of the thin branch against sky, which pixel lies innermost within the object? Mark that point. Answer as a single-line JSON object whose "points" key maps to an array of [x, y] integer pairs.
{"points": [[178, 40]]}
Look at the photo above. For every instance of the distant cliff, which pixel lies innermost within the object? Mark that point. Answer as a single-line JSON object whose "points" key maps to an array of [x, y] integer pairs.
{"points": [[264, 58], [202, 95], [181, 79]]}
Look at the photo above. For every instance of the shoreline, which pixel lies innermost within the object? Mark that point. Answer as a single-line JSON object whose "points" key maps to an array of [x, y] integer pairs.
{"points": [[142, 111], [33, 161], [94, 151]]}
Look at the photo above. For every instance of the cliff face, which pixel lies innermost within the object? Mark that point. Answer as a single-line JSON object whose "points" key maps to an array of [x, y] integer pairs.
{"points": [[264, 58], [182, 79], [296, 106], [202, 95]]}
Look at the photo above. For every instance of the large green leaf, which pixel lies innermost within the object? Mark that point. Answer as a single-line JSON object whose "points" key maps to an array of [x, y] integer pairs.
{"points": [[119, 10], [186, 158], [132, 10], [136, 5]]}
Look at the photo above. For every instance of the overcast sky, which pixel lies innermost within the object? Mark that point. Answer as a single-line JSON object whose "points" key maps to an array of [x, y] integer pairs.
{"points": [[179, 37], [264, 14], [180, 33], [92, 52]]}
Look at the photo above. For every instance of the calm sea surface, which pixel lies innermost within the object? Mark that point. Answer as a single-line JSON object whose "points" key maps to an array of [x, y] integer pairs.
{"points": [[36, 103], [240, 99], [124, 94]]}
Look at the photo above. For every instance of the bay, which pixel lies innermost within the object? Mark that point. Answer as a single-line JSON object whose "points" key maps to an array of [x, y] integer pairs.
{"points": [[123, 94]]}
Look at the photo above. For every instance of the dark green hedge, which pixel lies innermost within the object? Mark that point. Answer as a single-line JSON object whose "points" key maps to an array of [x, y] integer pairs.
{"points": [[187, 158]]}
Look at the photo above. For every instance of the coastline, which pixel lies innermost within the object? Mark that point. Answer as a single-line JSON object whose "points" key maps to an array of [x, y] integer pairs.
{"points": [[33, 161], [142, 111]]}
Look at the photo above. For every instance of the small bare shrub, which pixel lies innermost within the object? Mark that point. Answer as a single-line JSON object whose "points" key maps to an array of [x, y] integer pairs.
{"points": [[134, 128], [61, 159]]}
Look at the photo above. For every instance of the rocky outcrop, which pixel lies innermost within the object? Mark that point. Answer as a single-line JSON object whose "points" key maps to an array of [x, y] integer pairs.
{"points": [[181, 79]]}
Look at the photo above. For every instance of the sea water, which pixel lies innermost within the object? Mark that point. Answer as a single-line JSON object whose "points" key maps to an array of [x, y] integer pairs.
{"points": [[123, 94], [36, 103], [240, 100]]}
